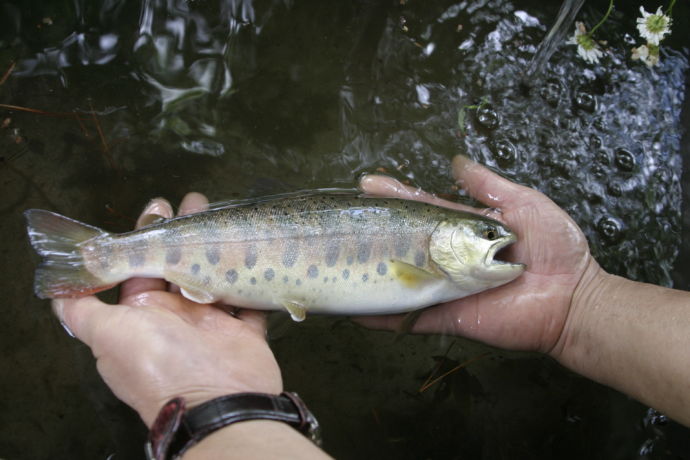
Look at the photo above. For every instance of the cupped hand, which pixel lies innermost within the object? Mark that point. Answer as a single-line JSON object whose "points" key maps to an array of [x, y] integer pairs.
{"points": [[530, 312], [155, 344]]}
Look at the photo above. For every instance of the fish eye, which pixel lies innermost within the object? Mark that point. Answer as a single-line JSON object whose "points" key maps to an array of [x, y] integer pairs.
{"points": [[489, 233]]}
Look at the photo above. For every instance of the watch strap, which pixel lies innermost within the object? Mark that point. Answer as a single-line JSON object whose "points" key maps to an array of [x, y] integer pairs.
{"points": [[176, 429]]}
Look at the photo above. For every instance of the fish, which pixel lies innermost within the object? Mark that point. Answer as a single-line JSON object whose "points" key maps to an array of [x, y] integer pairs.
{"points": [[316, 252]]}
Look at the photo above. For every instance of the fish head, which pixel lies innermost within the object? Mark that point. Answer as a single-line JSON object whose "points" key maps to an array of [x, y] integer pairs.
{"points": [[465, 247]]}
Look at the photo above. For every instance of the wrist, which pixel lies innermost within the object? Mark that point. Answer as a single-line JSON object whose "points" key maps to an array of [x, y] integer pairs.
{"points": [[582, 312], [179, 427]]}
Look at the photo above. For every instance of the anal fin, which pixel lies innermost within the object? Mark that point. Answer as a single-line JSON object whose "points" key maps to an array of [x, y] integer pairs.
{"points": [[297, 311], [191, 287], [411, 276]]}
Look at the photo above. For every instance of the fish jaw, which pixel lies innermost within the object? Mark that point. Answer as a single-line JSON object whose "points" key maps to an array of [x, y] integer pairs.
{"points": [[498, 270]]}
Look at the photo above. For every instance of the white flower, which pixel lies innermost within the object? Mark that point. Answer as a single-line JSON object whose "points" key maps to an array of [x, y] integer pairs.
{"points": [[653, 27], [647, 54], [586, 46]]}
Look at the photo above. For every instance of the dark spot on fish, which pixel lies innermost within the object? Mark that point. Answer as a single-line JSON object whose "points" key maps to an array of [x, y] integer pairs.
{"points": [[365, 277], [195, 269], [298, 282], [207, 280], [332, 252], [291, 252], [231, 276], [173, 256], [325, 279], [402, 247], [381, 268], [136, 259], [213, 255], [334, 279], [269, 274], [285, 279], [350, 259], [312, 271], [239, 291], [419, 258], [253, 280], [363, 252], [250, 256], [346, 274]]}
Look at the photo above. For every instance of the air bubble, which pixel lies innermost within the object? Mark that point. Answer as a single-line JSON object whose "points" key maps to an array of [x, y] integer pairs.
{"points": [[625, 160], [602, 157], [595, 142], [598, 171], [551, 92], [586, 101], [610, 228], [615, 189], [488, 117], [504, 152]]}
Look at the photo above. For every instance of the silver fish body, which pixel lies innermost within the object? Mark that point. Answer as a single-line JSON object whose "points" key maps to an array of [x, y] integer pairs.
{"points": [[323, 253]]}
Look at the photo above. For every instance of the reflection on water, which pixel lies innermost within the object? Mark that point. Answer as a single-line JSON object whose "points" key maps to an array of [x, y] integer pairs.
{"points": [[237, 98]]}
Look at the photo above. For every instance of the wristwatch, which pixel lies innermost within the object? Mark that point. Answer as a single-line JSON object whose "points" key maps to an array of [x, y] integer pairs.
{"points": [[177, 428]]}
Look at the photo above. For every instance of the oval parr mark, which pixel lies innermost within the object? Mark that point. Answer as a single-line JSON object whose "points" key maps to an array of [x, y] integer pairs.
{"points": [[291, 252], [213, 255], [269, 274], [402, 247], [420, 258], [137, 259], [312, 271], [195, 269], [382, 268], [332, 252], [250, 256], [253, 280], [231, 276], [173, 256], [363, 252]]}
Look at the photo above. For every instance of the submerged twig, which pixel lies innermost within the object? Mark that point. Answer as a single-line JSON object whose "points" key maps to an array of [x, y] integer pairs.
{"points": [[428, 383], [7, 73], [105, 149]]}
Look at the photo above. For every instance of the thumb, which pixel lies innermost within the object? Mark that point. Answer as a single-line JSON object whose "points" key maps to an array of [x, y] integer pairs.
{"points": [[82, 317]]}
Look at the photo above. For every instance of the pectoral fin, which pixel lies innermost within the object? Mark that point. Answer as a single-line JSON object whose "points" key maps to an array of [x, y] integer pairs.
{"points": [[411, 276], [297, 311], [191, 287]]}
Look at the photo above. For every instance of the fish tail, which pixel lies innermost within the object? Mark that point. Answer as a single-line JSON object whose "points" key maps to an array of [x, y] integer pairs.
{"points": [[62, 272]]}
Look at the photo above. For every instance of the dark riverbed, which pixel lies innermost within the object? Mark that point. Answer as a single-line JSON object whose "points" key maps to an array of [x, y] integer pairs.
{"points": [[133, 100]]}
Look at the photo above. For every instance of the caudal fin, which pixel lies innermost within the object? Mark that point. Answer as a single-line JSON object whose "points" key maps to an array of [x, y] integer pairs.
{"points": [[62, 272]]}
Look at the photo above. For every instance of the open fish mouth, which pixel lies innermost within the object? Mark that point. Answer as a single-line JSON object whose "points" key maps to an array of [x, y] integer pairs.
{"points": [[496, 247]]}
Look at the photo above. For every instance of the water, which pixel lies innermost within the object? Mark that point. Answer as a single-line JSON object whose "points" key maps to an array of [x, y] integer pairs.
{"points": [[240, 98]]}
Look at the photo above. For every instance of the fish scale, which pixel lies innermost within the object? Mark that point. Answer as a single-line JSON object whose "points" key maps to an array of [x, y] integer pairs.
{"points": [[323, 253]]}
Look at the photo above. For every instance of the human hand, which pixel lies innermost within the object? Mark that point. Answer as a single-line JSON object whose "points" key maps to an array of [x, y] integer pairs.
{"points": [[156, 344], [529, 313]]}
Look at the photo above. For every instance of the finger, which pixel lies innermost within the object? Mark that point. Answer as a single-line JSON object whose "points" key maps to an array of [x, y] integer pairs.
{"points": [[388, 187], [82, 316], [486, 186], [157, 208], [191, 203], [255, 319]]}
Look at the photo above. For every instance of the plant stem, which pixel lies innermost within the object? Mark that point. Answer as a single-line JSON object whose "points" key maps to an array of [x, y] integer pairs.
{"points": [[669, 10], [606, 16]]}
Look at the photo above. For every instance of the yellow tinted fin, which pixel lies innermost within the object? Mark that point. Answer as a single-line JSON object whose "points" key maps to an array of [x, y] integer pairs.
{"points": [[191, 287], [411, 276], [297, 311]]}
